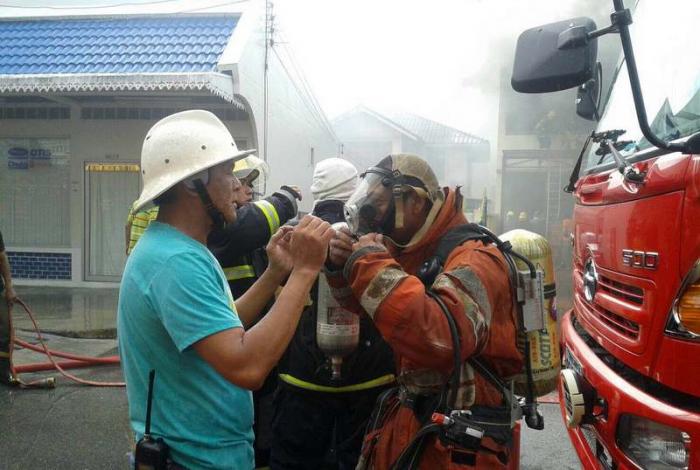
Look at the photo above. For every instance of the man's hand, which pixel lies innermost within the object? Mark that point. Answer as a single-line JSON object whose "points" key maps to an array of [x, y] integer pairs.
{"points": [[340, 247], [309, 244], [371, 239], [279, 252], [10, 295]]}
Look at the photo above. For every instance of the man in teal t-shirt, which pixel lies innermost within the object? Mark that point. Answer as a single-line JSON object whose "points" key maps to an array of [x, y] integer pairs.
{"points": [[174, 294], [176, 314]]}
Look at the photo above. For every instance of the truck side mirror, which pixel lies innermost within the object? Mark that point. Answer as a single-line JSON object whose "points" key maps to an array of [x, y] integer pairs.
{"points": [[555, 56], [588, 96]]}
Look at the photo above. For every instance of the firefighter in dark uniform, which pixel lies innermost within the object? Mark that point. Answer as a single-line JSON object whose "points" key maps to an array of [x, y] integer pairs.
{"points": [[319, 421], [240, 249]]}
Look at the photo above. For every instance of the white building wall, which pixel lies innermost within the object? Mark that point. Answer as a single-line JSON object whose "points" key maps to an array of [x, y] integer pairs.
{"points": [[298, 134], [94, 141]]}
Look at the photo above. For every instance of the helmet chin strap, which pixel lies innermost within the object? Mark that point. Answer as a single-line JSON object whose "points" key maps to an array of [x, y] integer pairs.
{"points": [[215, 214]]}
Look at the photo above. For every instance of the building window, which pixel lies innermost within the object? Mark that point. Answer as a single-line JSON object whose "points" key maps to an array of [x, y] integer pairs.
{"points": [[35, 192], [312, 158], [35, 112], [150, 114]]}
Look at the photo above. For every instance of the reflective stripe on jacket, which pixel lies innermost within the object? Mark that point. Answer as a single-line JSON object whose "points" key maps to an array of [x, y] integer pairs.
{"points": [[255, 223]]}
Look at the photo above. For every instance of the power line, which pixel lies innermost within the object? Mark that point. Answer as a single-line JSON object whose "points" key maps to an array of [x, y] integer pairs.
{"points": [[307, 87], [302, 94], [230, 2]]}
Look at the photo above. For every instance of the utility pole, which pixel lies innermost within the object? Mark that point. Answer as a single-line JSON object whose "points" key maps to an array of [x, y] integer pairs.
{"points": [[269, 43]]}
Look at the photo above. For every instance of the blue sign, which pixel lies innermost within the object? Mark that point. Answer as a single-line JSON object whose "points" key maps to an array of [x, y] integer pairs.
{"points": [[18, 164], [18, 152], [21, 158]]}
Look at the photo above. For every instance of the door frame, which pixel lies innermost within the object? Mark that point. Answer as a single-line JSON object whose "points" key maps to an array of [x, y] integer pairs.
{"points": [[129, 167]]}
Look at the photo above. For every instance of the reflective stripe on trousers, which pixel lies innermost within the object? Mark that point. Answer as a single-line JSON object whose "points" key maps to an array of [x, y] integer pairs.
{"points": [[239, 272]]}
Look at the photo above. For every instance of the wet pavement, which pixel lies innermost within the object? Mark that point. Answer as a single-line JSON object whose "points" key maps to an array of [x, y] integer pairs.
{"points": [[71, 426], [78, 312], [78, 427]]}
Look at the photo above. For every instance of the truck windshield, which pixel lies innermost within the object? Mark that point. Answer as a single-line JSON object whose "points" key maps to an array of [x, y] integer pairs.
{"points": [[668, 60]]}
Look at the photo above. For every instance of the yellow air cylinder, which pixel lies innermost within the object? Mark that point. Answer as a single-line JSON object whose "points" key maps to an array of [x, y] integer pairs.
{"points": [[544, 344]]}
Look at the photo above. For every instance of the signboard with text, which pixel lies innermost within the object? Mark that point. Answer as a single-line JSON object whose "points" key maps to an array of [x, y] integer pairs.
{"points": [[25, 154]]}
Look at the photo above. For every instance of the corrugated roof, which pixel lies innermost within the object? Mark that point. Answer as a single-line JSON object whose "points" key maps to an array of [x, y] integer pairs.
{"points": [[114, 45], [432, 132]]}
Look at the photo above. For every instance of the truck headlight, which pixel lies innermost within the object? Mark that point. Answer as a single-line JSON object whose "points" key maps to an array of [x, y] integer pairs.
{"points": [[652, 445]]}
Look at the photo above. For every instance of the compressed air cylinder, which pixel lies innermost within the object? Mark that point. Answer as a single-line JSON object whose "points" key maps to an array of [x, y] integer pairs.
{"points": [[337, 329], [544, 344]]}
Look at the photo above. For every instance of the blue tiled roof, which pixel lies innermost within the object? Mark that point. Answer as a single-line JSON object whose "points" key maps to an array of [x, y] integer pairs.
{"points": [[122, 45]]}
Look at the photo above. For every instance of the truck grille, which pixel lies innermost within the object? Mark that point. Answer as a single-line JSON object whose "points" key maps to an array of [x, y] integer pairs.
{"points": [[622, 291], [620, 324]]}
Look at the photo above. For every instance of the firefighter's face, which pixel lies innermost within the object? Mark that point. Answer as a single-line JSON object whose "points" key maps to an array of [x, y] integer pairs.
{"points": [[246, 191], [415, 213], [223, 189]]}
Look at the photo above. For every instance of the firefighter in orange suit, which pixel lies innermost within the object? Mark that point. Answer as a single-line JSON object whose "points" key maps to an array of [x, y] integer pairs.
{"points": [[400, 213]]}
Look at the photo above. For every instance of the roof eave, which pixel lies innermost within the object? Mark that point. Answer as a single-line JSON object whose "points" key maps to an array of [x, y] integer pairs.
{"points": [[218, 84]]}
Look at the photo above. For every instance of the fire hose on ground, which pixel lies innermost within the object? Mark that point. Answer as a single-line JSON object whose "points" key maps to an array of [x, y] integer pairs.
{"points": [[72, 361]]}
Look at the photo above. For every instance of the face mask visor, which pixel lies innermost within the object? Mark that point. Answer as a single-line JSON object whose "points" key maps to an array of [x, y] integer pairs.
{"points": [[371, 208]]}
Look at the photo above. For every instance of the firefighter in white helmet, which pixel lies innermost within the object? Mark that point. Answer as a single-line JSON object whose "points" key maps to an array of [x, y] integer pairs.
{"points": [[176, 314], [253, 173], [239, 249]]}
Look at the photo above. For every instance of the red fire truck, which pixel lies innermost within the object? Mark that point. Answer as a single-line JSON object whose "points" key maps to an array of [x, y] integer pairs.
{"points": [[630, 387]]}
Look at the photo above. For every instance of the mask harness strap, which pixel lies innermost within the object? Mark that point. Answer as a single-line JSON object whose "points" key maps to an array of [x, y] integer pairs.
{"points": [[397, 191], [394, 218], [215, 214]]}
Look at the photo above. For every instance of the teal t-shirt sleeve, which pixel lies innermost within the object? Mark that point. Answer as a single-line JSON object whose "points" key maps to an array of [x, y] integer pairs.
{"points": [[191, 301]]}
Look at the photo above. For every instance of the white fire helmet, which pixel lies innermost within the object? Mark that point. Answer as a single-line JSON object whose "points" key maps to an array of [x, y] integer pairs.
{"points": [[180, 146], [254, 172]]}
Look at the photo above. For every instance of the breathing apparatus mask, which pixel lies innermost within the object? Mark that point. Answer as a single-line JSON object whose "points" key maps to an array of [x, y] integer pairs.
{"points": [[377, 205]]}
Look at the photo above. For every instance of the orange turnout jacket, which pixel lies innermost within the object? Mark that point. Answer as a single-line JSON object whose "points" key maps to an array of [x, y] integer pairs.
{"points": [[475, 287]]}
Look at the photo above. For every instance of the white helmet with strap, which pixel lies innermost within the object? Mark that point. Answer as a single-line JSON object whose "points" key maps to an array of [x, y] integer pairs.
{"points": [[254, 172], [181, 146], [251, 167]]}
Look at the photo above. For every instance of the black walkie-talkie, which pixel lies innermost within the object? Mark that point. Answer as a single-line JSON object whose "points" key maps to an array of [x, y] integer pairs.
{"points": [[151, 454]]}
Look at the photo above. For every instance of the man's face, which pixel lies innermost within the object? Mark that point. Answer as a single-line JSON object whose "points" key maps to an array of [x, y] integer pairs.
{"points": [[224, 189], [246, 192], [414, 216]]}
